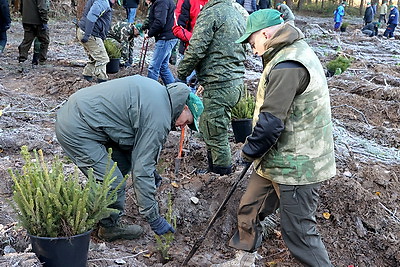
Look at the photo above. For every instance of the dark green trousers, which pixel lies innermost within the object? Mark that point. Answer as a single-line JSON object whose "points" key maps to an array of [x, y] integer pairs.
{"points": [[30, 32], [215, 121], [297, 205]]}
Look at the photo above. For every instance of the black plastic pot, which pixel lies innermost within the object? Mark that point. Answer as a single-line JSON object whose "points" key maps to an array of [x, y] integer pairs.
{"points": [[113, 65], [62, 251], [241, 129]]}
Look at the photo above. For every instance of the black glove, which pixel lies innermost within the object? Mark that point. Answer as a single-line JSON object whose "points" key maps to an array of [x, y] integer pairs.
{"points": [[45, 27], [160, 226], [85, 39]]}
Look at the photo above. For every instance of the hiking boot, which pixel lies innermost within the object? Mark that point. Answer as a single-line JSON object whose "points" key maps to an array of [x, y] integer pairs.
{"points": [[392, 38], [242, 259], [222, 170], [384, 37], [120, 231]]}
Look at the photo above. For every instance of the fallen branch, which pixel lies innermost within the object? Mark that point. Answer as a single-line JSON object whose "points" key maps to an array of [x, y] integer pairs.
{"points": [[120, 258], [391, 213], [356, 110]]}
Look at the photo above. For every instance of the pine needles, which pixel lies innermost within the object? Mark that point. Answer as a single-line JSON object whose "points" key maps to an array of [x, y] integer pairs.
{"points": [[50, 204]]}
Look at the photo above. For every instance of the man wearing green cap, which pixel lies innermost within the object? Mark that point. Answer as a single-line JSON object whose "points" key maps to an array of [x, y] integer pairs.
{"points": [[368, 14], [133, 116], [291, 143], [219, 64], [392, 22]]}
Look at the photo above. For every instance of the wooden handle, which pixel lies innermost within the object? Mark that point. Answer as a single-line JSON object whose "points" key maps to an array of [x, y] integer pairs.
{"points": [[181, 142]]}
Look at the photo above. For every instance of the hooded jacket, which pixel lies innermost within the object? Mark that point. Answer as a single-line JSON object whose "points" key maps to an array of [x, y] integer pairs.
{"points": [[393, 16], [136, 113]]}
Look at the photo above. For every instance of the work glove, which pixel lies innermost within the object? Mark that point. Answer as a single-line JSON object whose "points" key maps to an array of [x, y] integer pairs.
{"points": [[85, 39], [160, 226], [45, 27]]}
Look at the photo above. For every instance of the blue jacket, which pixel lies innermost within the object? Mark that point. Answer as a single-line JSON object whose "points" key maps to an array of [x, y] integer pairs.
{"points": [[339, 13], [96, 18], [368, 14], [394, 16], [5, 19]]}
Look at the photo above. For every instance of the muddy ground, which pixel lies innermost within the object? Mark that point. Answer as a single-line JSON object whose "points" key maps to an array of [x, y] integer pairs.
{"points": [[363, 228]]}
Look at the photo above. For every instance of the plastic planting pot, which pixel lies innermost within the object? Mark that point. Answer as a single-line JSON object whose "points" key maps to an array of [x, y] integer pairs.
{"points": [[62, 251], [241, 129], [113, 65]]}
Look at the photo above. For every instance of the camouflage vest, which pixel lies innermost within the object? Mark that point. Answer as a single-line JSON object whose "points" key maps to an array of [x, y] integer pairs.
{"points": [[304, 152]]}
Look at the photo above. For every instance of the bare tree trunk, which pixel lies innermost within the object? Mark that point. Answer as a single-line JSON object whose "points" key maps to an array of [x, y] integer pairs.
{"points": [[80, 6], [361, 7]]}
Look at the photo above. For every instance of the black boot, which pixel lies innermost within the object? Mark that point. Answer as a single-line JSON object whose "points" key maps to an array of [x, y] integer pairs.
{"points": [[222, 170], [35, 59], [210, 162]]}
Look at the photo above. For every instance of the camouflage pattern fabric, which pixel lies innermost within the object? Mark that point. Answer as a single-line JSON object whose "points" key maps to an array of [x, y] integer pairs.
{"points": [[212, 51], [215, 120], [304, 152], [124, 33]]}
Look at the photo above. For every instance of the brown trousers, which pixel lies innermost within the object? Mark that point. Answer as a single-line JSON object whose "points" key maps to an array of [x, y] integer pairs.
{"points": [[297, 205], [30, 32]]}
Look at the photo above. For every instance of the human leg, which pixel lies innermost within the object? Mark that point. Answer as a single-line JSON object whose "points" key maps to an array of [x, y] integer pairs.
{"points": [[259, 200], [29, 35], [3, 40], [165, 73], [298, 205], [44, 39], [214, 124], [131, 14]]}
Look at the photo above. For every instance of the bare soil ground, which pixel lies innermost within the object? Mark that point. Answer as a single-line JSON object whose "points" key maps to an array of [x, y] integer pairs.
{"points": [[362, 199]]}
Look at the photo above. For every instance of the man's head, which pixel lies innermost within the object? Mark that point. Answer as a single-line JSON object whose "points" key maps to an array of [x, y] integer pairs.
{"points": [[344, 3], [368, 4], [278, 6], [392, 7], [191, 113], [261, 26]]}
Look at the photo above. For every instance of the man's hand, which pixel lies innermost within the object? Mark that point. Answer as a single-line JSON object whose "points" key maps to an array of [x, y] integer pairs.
{"points": [[246, 159], [160, 226], [146, 36]]}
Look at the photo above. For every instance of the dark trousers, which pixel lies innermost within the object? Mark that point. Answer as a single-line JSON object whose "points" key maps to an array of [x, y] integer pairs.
{"points": [[382, 17], [30, 32], [390, 30], [297, 205], [3, 40]]}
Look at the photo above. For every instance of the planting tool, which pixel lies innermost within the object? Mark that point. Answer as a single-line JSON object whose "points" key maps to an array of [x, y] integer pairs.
{"points": [[143, 53], [215, 216], [179, 158]]}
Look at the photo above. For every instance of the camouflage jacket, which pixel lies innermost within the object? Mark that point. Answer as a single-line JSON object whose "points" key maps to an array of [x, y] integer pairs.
{"points": [[123, 32], [212, 51], [304, 152]]}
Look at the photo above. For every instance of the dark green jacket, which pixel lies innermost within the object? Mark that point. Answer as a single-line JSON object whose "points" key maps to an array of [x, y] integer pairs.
{"points": [[35, 11], [212, 51]]}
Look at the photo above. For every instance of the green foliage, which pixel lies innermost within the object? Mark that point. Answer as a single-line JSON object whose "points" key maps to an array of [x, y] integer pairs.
{"points": [[113, 51], [344, 25], [164, 241], [338, 65], [50, 204], [244, 109]]}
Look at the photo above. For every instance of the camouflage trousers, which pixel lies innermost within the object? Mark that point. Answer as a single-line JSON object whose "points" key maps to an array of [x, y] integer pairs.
{"points": [[215, 120], [297, 206], [98, 58], [126, 50]]}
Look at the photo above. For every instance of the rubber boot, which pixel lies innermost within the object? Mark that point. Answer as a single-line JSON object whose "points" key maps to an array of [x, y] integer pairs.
{"points": [[120, 231], [222, 170]]}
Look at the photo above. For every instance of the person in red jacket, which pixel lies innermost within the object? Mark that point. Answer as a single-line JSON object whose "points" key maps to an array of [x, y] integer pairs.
{"points": [[186, 13]]}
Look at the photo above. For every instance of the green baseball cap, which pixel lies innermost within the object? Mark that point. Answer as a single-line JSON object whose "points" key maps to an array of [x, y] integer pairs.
{"points": [[196, 107], [259, 20]]}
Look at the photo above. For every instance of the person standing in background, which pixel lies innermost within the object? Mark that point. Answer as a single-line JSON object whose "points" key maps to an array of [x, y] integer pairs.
{"points": [[131, 7], [338, 15], [368, 14], [34, 21], [5, 23], [383, 12]]}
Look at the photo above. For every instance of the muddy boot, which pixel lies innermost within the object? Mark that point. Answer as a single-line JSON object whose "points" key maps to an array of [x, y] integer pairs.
{"points": [[88, 78], [242, 259], [222, 170], [35, 59], [120, 231]]}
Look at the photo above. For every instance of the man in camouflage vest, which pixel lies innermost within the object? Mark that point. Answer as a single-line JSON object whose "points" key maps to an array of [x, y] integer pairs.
{"points": [[123, 34], [291, 143], [218, 62]]}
